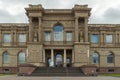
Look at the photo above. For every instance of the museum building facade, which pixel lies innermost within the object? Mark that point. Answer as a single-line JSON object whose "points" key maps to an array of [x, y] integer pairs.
{"points": [[59, 38]]}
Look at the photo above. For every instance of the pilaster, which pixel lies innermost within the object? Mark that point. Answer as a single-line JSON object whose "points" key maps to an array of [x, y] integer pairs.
{"points": [[40, 30], [15, 36], [30, 29], [64, 36], [86, 29], [76, 29]]}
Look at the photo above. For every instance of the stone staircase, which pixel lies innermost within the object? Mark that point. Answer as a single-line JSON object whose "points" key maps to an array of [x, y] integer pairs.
{"points": [[57, 71]]}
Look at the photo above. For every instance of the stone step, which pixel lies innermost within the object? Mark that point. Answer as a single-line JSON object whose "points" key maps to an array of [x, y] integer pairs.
{"points": [[57, 71]]}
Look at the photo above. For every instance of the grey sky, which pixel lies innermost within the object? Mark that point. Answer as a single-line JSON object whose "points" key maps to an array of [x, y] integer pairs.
{"points": [[103, 11]]}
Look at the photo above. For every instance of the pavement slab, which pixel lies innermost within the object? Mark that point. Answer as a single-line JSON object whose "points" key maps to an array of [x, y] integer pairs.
{"points": [[13, 77]]}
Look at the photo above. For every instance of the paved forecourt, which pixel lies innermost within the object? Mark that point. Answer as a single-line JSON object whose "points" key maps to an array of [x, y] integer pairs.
{"points": [[57, 78]]}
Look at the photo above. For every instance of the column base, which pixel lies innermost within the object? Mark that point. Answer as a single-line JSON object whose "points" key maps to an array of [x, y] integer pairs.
{"points": [[64, 65]]}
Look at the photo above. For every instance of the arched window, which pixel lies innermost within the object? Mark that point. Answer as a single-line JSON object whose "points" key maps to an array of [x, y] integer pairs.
{"points": [[21, 58], [95, 58], [58, 33], [110, 58], [6, 58]]}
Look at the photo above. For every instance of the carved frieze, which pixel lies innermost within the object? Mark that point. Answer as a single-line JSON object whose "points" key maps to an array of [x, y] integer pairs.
{"points": [[52, 23]]}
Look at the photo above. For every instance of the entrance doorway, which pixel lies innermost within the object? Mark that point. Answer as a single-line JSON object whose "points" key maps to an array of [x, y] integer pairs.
{"points": [[56, 57], [59, 60], [68, 61]]}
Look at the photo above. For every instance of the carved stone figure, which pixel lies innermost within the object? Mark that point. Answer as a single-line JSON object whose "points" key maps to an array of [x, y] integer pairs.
{"points": [[81, 36], [35, 37]]}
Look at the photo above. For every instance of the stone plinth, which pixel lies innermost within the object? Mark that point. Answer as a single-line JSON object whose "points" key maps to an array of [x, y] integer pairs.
{"points": [[26, 69], [89, 70]]}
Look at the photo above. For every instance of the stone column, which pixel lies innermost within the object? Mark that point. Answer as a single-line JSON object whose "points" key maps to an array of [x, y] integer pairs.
{"points": [[86, 30], [76, 30], [52, 55], [64, 57], [40, 30], [30, 29]]}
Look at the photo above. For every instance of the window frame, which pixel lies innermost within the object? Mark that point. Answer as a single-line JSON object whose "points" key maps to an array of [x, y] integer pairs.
{"points": [[93, 41], [58, 35], [98, 58], [67, 38], [5, 37], [107, 40], [109, 56], [48, 39], [6, 55], [19, 58], [19, 38]]}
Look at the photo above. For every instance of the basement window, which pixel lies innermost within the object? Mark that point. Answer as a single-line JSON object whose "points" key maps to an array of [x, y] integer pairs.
{"points": [[6, 70], [97, 70], [111, 70]]}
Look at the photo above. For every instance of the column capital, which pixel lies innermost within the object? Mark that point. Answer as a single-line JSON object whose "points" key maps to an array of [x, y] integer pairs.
{"points": [[76, 17], [86, 17], [40, 17]]}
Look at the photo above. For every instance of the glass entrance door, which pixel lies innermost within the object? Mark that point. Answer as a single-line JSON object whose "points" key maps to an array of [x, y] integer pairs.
{"points": [[59, 60], [48, 61], [68, 60]]}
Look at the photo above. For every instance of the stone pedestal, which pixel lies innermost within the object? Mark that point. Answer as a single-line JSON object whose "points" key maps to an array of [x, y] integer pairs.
{"points": [[26, 69], [89, 70]]}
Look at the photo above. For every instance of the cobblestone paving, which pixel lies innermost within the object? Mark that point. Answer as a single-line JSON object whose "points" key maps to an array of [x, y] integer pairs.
{"points": [[57, 78]]}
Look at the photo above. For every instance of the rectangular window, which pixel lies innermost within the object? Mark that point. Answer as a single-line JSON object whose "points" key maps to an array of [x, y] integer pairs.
{"points": [[47, 36], [69, 36], [58, 36], [6, 70], [109, 38], [7, 37], [94, 38], [22, 37]]}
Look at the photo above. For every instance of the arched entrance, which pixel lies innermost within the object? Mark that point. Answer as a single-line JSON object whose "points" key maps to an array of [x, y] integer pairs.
{"points": [[59, 60]]}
